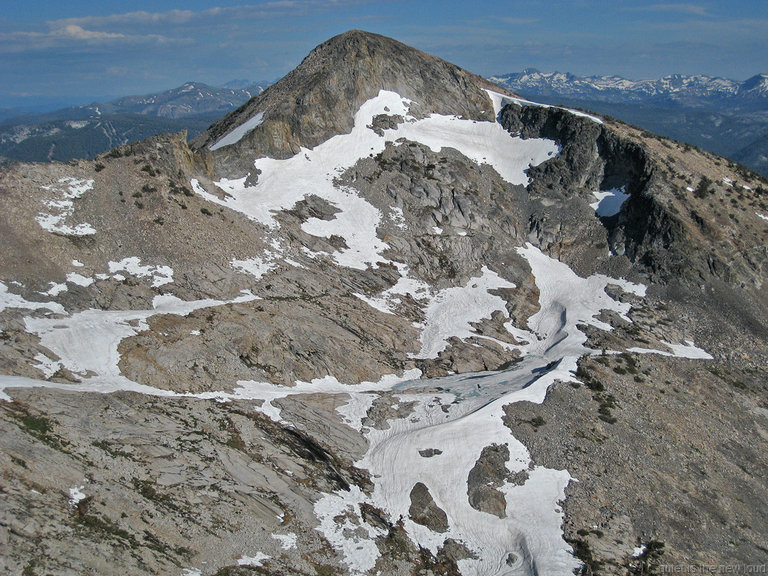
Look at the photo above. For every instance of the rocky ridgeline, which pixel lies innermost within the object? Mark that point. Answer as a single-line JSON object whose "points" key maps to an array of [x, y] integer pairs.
{"points": [[196, 299]]}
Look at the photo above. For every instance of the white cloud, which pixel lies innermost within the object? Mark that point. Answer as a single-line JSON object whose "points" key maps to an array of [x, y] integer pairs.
{"points": [[79, 33], [181, 17]]}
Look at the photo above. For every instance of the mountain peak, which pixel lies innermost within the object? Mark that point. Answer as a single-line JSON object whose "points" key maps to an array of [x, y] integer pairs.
{"points": [[319, 98]]}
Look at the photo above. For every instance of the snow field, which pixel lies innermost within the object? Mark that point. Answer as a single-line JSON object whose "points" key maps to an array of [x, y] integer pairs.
{"points": [[282, 183], [609, 202]]}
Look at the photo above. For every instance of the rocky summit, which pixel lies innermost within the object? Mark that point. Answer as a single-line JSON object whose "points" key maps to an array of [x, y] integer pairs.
{"points": [[385, 318]]}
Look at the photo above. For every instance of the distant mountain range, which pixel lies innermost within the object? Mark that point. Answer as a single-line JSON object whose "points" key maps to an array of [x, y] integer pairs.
{"points": [[720, 115], [85, 131], [697, 91]]}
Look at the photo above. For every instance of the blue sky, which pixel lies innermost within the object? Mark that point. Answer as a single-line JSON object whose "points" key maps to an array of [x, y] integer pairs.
{"points": [[76, 51]]}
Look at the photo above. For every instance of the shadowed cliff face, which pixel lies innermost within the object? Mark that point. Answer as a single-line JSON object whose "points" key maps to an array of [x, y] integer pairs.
{"points": [[654, 228]]}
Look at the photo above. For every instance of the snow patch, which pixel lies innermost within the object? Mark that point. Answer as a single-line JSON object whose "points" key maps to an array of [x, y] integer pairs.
{"points": [[79, 280], [763, 216], [256, 560], [388, 300], [11, 300], [687, 350], [256, 267], [464, 416], [287, 541], [160, 275], [87, 342], [55, 289], [252, 390], [342, 526], [453, 310], [356, 409], [237, 134], [47, 366], [397, 217], [60, 209], [609, 202], [76, 496], [500, 100]]}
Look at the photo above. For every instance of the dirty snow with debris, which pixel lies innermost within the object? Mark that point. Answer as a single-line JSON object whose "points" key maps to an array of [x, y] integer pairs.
{"points": [[160, 275], [256, 560], [62, 207]]}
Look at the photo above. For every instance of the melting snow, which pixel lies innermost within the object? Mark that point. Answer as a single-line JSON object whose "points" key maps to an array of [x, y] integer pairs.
{"points": [[256, 266], [397, 217], [236, 135], [10, 300], [47, 366], [466, 416], [76, 495], [78, 279], [763, 216], [342, 526], [55, 289], [282, 183], [160, 275], [87, 342], [460, 419], [687, 350], [255, 560], [387, 300], [287, 541], [61, 209], [609, 202], [453, 310]]}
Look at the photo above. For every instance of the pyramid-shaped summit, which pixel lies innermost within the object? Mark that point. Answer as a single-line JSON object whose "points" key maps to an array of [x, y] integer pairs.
{"points": [[319, 98]]}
